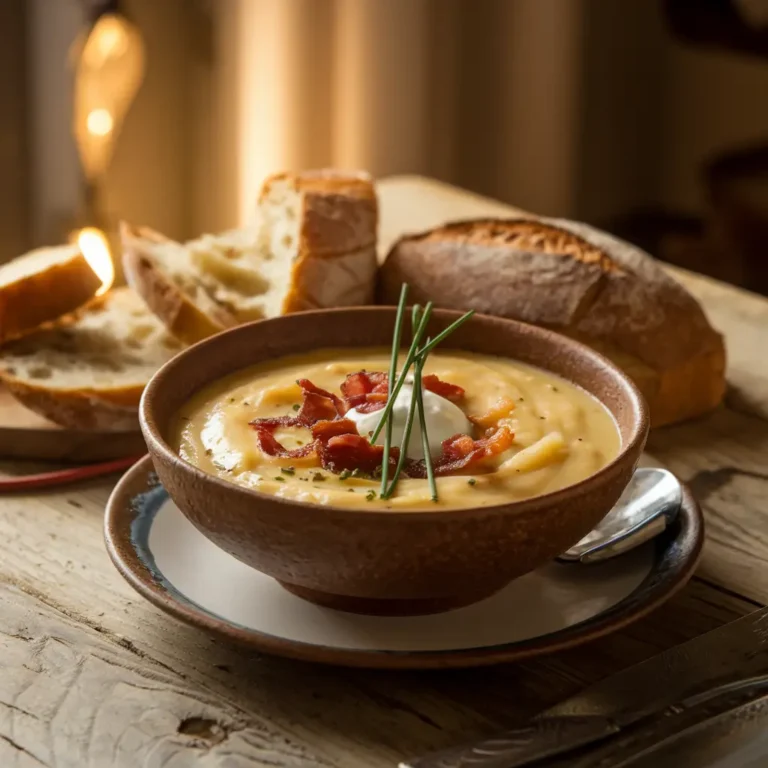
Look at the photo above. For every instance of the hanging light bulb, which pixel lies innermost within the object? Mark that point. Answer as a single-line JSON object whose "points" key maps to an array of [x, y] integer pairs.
{"points": [[108, 62]]}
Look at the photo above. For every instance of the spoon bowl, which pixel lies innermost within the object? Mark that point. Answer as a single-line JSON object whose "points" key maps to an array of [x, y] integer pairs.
{"points": [[648, 505]]}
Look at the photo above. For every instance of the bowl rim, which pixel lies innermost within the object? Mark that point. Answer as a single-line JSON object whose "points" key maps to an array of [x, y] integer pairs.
{"points": [[156, 444]]}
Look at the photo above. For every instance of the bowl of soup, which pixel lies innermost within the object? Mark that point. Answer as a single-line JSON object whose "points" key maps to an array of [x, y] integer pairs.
{"points": [[265, 436]]}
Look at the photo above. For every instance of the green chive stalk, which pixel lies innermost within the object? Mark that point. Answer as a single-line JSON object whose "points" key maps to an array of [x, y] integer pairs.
{"points": [[392, 373]]}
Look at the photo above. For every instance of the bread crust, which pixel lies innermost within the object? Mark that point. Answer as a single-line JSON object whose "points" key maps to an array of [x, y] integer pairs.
{"points": [[108, 410], [180, 315], [579, 281], [340, 212], [44, 296]]}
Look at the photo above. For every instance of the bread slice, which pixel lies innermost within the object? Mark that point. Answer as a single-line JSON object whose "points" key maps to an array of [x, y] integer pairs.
{"points": [[577, 280], [88, 371], [41, 286], [313, 245]]}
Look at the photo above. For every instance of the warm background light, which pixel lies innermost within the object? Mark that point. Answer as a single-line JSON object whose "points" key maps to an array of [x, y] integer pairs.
{"points": [[99, 122], [95, 247], [109, 67]]}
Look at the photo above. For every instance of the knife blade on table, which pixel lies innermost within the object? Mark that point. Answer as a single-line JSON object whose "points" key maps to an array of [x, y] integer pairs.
{"points": [[708, 695]]}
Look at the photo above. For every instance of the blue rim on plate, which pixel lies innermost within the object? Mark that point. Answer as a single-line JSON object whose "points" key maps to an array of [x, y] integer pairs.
{"points": [[138, 497]]}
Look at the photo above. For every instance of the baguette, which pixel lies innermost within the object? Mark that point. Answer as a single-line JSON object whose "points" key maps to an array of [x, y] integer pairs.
{"points": [[313, 245], [88, 370], [41, 286], [581, 282]]}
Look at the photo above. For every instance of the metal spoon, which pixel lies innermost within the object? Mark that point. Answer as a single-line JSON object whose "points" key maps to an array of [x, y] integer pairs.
{"points": [[648, 505]]}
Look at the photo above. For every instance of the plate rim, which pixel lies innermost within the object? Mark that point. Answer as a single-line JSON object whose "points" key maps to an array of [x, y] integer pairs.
{"points": [[656, 588]]}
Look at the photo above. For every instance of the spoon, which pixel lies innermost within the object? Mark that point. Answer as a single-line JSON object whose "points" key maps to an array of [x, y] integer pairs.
{"points": [[648, 505]]}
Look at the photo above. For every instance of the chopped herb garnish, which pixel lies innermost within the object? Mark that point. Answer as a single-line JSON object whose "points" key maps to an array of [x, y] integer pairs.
{"points": [[350, 490], [299, 442], [288, 470], [415, 357], [295, 406], [245, 402], [318, 477], [471, 481], [555, 389], [279, 479], [208, 451], [520, 399], [231, 399], [344, 474], [543, 418], [371, 495]]}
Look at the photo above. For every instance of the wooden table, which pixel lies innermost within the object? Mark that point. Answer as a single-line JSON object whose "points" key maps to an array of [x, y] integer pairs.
{"points": [[92, 675]]}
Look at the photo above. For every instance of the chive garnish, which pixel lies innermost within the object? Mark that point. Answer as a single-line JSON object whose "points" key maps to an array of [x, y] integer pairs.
{"points": [[371, 495], [295, 406], [409, 358], [392, 372], [415, 357], [288, 470], [418, 391]]}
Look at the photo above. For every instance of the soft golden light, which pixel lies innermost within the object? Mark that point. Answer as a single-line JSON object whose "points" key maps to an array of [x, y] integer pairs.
{"points": [[99, 122], [95, 247], [109, 68]]}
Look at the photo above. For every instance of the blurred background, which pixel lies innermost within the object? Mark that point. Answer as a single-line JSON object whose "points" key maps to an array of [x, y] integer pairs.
{"points": [[646, 117]]}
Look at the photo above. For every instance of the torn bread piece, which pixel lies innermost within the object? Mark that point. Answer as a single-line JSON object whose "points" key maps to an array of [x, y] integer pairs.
{"points": [[88, 370], [313, 245], [41, 286]]}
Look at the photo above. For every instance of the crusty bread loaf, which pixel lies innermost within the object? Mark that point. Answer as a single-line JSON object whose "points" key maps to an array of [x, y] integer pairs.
{"points": [[577, 280], [41, 286], [313, 245], [88, 370]]}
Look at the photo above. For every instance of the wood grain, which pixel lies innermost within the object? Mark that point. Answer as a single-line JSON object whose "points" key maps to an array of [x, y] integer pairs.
{"points": [[91, 675]]}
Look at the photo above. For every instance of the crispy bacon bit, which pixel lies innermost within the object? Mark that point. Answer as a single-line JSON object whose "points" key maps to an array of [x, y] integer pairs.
{"points": [[451, 392], [308, 386], [367, 392], [352, 452], [502, 408], [325, 430], [270, 445], [460, 451], [316, 407]]}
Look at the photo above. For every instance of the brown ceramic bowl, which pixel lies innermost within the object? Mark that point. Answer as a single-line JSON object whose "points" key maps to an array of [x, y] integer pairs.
{"points": [[388, 562]]}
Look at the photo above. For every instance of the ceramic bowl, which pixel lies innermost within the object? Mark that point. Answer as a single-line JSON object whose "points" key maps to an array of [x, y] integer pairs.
{"points": [[388, 562]]}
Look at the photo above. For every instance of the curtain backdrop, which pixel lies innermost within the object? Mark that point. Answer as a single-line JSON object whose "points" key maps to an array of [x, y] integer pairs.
{"points": [[483, 93]]}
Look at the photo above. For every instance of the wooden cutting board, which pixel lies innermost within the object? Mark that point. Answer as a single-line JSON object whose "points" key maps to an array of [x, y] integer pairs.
{"points": [[25, 435]]}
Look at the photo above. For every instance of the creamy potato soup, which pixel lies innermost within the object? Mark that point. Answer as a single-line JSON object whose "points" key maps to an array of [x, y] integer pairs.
{"points": [[525, 431]]}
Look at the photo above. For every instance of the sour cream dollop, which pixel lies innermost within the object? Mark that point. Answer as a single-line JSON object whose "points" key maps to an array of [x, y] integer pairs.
{"points": [[444, 419]]}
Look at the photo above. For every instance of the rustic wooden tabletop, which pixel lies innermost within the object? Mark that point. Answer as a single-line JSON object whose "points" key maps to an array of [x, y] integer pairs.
{"points": [[92, 675]]}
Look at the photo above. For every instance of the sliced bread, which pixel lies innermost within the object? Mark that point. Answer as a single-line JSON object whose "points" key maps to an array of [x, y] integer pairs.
{"points": [[88, 371], [577, 280], [41, 286], [313, 245]]}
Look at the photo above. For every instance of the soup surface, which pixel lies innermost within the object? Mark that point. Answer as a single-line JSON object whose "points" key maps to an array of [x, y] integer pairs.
{"points": [[554, 434]]}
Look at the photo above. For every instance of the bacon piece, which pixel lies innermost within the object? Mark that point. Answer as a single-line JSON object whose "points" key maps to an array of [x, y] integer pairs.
{"points": [[308, 386], [269, 444], [316, 407], [499, 410], [460, 451], [325, 430], [451, 392], [350, 452], [366, 391]]}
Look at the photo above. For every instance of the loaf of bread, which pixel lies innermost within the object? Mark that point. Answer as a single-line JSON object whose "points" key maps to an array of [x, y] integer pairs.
{"points": [[88, 371], [313, 245], [581, 282], [41, 286]]}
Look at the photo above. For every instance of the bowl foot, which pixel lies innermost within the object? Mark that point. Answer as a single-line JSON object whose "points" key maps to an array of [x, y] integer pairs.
{"points": [[386, 607]]}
